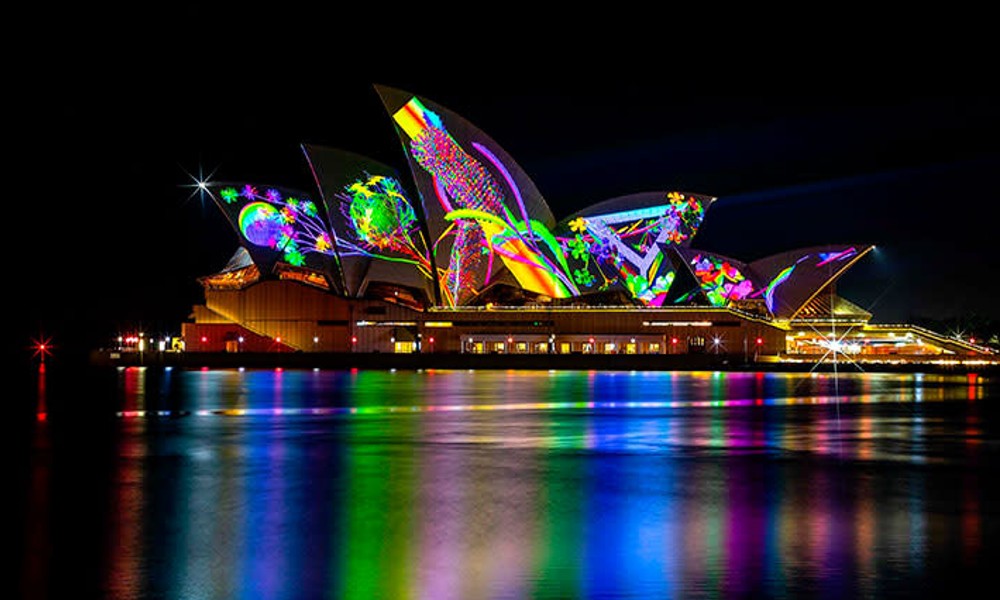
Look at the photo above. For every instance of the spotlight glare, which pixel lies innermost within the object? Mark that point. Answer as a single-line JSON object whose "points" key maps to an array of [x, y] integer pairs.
{"points": [[199, 184]]}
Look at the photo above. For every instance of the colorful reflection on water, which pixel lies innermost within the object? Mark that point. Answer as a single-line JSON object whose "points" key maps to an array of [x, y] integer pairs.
{"points": [[454, 484]]}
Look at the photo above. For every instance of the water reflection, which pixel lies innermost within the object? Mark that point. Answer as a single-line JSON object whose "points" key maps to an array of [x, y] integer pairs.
{"points": [[453, 484]]}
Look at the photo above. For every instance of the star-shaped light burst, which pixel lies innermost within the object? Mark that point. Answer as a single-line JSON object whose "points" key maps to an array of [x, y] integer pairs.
{"points": [[42, 347], [199, 184], [834, 345]]}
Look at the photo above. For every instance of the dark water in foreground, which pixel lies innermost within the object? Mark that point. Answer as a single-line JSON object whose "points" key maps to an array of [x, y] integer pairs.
{"points": [[493, 484]]}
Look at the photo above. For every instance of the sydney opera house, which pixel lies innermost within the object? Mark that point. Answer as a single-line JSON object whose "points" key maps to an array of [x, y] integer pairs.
{"points": [[466, 257]]}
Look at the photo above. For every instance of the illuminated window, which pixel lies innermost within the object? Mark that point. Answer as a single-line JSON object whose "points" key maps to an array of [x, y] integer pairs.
{"points": [[404, 347], [305, 276], [630, 348], [521, 347], [541, 348], [588, 348], [498, 346], [609, 348], [653, 348], [564, 348], [478, 348]]}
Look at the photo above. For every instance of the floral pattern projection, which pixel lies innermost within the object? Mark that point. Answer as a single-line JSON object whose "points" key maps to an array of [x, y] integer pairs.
{"points": [[720, 280], [381, 223], [288, 224], [478, 210], [627, 249]]}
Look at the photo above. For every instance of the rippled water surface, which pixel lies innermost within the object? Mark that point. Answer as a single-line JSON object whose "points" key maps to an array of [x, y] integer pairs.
{"points": [[144, 483]]}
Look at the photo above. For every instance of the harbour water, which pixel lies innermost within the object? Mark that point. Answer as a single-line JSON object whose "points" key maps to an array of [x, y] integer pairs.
{"points": [[227, 483]]}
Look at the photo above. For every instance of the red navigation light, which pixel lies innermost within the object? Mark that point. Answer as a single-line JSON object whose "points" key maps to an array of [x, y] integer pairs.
{"points": [[278, 339], [354, 339], [204, 339], [673, 340], [972, 340], [43, 348], [510, 339], [431, 340], [760, 341]]}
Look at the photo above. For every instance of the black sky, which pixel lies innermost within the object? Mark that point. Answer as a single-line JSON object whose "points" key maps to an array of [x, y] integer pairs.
{"points": [[111, 239]]}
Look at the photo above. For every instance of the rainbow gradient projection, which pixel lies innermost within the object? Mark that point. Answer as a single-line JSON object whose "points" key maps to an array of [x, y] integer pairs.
{"points": [[481, 226], [771, 287]]}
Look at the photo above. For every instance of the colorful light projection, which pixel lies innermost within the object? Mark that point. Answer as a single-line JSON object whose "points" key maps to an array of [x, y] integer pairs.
{"points": [[261, 224], [826, 258], [626, 248], [382, 223], [290, 225], [822, 258], [481, 226], [720, 280], [782, 277]]}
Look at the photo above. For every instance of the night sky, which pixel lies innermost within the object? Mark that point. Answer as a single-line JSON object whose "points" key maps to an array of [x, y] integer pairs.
{"points": [[115, 240]]}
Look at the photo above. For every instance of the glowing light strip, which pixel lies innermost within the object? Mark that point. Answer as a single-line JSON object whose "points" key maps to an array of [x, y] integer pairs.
{"points": [[510, 181], [532, 275], [850, 251], [677, 323], [652, 212], [769, 292], [518, 406], [529, 274], [543, 232], [152, 413]]}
